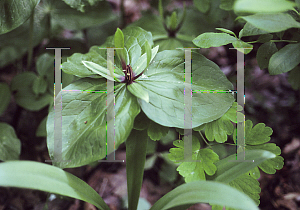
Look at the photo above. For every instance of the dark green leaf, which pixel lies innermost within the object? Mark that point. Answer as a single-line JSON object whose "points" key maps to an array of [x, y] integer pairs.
{"points": [[39, 85], [15, 13], [10, 145], [156, 131], [41, 130], [265, 38], [202, 5], [227, 4], [80, 4], [294, 78], [251, 30], [5, 96], [136, 146], [285, 59], [264, 53], [39, 176]]}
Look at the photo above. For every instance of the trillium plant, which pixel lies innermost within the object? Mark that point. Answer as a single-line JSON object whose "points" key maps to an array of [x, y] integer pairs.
{"points": [[149, 90]]}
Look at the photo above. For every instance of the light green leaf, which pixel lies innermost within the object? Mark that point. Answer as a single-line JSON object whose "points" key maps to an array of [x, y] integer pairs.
{"points": [[173, 21], [156, 131], [119, 43], [285, 59], [138, 91], [229, 169], [218, 130], [147, 49], [294, 78], [83, 142], [193, 171], [5, 96], [14, 14], [97, 69], [207, 40], [273, 22], [264, 53], [204, 192], [259, 134], [136, 147], [226, 31], [25, 97], [167, 107], [202, 5], [10, 145], [262, 6], [240, 44], [141, 63], [39, 176]]}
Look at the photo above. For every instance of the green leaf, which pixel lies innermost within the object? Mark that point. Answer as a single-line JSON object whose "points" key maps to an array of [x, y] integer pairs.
{"points": [[147, 49], [119, 43], [41, 130], [80, 4], [136, 146], [273, 22], [294, 78], [39, 176], [285, 59], [204, 192], [262, 6], [39, 85], [226, 31], [265, 38], [264, 53], [24, 96], [141, 122], [229, 169], [97, 69], [227, 4], [202, 5], [5, 97], [14, 14], [256, 138], [156, 131], [83, 142], [251, 30], [218, 130], [167, 107], [173, 21], [138, 91], [170, 137], [207, 40], [10, 145], [193, 171], [240, 44]]}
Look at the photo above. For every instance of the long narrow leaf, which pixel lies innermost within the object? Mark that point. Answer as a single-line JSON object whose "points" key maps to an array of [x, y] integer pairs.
{"points": [[39, 176]]}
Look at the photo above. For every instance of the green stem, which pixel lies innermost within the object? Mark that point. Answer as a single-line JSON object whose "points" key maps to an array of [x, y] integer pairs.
{"points": [[30, 43], [204, 140]]}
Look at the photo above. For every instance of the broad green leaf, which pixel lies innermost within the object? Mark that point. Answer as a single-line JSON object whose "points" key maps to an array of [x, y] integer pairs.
{"points": [[24, 96], [40, 176], [167, 107], [83, 142], [119, 43], [5, 96], [207, 40], [10, 145], [136, 146], [44, 64], [294, 78], [193, 171], [264, 53], [80, 4], [251, 30], [97, 69], [229, 169], [262, 6], [202, 5], [204, 192], [240, 44], [14, 14], [138, 91], [156, 131], [273, 22], [226, 31], [285, 59], [259, 134]]}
